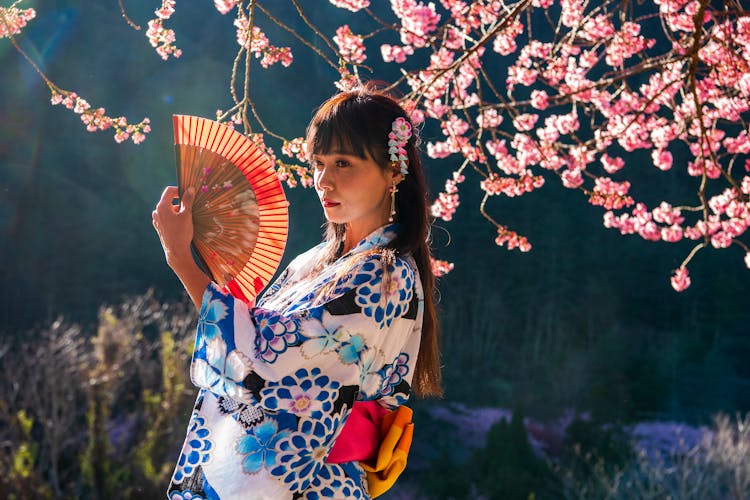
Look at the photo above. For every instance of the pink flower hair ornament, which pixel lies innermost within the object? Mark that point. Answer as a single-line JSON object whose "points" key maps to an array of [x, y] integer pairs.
{"points": [[397, 138]]}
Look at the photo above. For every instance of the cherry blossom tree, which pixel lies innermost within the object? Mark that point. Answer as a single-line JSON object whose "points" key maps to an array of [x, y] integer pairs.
{"points": [[524, 92]]}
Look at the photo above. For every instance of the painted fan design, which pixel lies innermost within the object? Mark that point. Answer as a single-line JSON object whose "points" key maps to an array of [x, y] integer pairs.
{"points": [[240, 217]]}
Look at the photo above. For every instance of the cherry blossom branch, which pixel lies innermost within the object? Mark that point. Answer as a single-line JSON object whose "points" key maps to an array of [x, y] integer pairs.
{"points": [[11, 22], [523, 4], [159, 37], [297, 36], [580, 95], [126, 17], [314, 28], [246, 97], [699, 114]]}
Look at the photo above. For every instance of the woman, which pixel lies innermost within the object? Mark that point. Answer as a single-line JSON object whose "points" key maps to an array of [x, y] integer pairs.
{"points": [[350, 320]]}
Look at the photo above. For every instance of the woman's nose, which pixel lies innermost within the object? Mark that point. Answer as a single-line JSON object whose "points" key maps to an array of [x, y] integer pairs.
{"points": [[323, 178]]}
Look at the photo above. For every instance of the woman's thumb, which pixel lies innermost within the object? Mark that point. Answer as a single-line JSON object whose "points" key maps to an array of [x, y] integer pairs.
{"points": [[188, 198]]}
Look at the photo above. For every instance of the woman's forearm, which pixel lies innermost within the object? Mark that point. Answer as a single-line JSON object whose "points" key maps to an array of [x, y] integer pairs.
{"points": [[192, 277]]}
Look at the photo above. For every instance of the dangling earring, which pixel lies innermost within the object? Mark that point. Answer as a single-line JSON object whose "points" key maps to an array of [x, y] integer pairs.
{"points": [[394, 190]]}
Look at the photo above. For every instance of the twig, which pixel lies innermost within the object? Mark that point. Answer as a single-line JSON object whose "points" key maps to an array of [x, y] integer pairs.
{"points": [[313, 27], [298, 36], [521, 5], [127, 19]]}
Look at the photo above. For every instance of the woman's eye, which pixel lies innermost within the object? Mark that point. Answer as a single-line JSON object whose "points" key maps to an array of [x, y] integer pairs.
{"points": [[342, 163], [316, 164]]}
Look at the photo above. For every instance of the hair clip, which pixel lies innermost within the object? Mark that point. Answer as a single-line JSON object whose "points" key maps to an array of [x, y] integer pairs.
{"points": [[397, 139]]}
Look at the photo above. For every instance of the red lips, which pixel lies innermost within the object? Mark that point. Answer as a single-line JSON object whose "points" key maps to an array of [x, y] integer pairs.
{"points": [[329, 203]]}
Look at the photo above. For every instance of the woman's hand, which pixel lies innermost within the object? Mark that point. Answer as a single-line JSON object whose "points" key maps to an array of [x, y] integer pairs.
{"points": [[174, 224]]}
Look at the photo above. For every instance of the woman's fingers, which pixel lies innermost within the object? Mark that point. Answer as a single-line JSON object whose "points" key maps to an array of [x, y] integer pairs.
{"points": [[173, 223], [167, 196]]}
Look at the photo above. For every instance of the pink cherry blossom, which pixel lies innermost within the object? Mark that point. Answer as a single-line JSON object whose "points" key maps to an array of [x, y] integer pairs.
{"points": [[721, 239], [612, 165], [162, 39], [610, 194], [512, 186], [446, 203], [417, 20], [572, 12], [572, 178], [597, 28], [680, 279], [454, 126], [259, 44], [672, 234], [351, 47], [626, 43], [14, 20], [395, 53], [489, 118], [96, 119], [511, 239], [697, 168], [224, 6], [539, 99], [505, 41], [296, 148], [445, 206], [525, 122], [440, 267], [666, 214], [352, 5], [662, 159], [166, 10]]}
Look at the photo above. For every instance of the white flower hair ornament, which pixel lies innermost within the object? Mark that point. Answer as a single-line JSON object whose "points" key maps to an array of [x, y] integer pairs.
{"points": [[397, 138]]}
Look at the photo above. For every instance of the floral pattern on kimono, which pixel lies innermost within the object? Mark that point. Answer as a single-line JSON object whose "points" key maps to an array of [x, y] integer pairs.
{"points": [[278, 381]]}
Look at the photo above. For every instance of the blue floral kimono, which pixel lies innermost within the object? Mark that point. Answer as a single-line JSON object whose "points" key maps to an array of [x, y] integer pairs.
{"points": [[277, 381]]}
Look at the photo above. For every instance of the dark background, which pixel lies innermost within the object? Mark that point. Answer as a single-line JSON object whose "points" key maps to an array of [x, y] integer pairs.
{"points": [[586, 320]]}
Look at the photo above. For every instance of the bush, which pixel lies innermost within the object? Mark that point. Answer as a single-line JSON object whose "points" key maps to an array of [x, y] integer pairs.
{"points": [[718, 467], [505, 468], [99, 417]]}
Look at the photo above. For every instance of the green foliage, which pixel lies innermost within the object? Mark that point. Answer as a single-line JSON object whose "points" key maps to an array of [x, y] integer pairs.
{"points": [[19, 475], [25, 456], [589, 444], [151, 455], [102, 475], [506, 468]]}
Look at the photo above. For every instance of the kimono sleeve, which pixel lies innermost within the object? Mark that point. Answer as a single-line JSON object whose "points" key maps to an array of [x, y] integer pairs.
{"points": [[355, 339]]}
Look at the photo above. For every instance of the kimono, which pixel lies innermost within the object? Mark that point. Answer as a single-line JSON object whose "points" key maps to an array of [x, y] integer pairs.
{"points": [[278, 381]]}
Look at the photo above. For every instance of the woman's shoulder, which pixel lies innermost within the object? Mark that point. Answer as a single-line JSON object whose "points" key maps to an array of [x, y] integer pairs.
{"points": [[374, 262], [305, 259]]}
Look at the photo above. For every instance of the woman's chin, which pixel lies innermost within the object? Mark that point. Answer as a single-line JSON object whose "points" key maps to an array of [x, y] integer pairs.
{"points": [[331, 215]]}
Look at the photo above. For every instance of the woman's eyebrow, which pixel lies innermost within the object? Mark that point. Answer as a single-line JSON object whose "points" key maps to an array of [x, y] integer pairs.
{"points": [[338, 152]]}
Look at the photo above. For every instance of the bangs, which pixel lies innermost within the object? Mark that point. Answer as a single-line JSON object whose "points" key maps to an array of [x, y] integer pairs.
{"points": [[341, 126]]}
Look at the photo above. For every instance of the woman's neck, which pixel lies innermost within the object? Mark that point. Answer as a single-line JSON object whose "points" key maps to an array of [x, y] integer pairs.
{"points": [[354, 235]]}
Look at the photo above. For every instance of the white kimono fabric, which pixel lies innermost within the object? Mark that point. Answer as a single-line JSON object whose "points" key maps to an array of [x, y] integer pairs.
{"points": [[277, 381]]}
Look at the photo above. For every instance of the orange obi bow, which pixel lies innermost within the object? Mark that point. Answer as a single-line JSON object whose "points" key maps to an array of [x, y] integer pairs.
{"points": [[379, 440]]}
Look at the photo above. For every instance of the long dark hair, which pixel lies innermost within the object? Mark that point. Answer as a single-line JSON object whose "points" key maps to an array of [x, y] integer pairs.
{"points": [[359, 121]]}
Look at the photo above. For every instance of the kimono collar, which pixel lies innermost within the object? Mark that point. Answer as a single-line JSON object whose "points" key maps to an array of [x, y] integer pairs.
{"points": [[378, 238]]}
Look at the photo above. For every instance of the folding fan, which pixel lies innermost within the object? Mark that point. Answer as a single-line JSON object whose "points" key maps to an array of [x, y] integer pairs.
{"points": [[240, 217]]}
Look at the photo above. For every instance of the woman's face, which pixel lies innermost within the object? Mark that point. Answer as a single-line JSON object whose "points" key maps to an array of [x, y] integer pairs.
{"points": [[353, 191]]}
